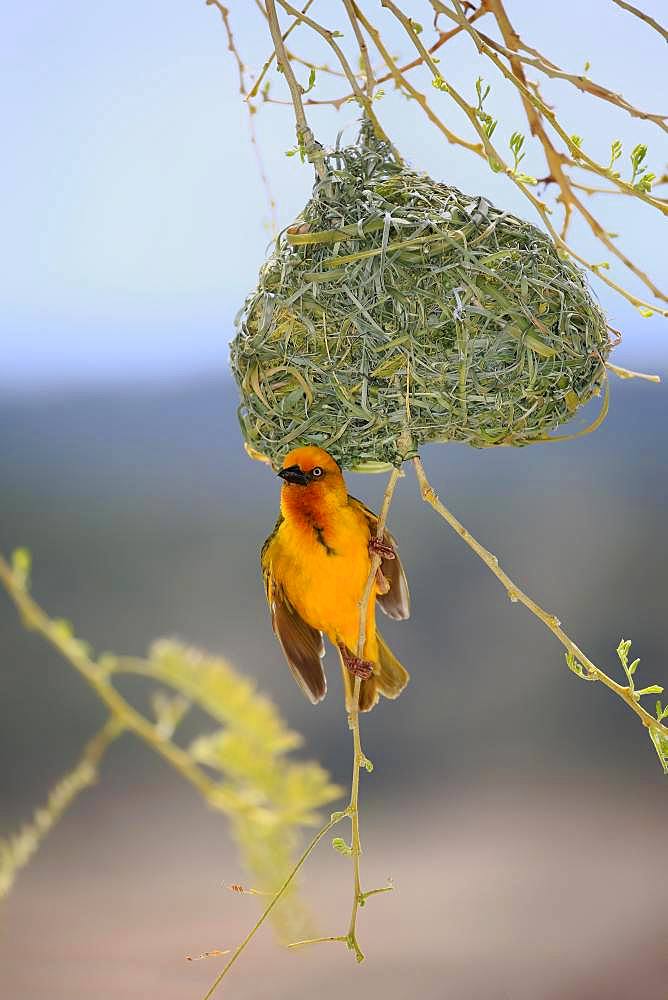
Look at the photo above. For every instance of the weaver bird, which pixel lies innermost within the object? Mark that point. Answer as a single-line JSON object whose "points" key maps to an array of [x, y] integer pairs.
{"points": [[315, 565]]}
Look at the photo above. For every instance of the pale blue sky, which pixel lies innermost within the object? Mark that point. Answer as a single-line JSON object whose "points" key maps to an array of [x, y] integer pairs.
{"points": [[133, 218]]}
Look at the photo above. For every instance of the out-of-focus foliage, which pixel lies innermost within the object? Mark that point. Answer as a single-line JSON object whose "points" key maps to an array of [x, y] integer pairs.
{"points": [[240, 767], [269, 796]]}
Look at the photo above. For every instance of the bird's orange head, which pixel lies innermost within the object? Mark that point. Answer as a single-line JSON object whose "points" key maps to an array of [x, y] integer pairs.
{"points": [[311, 478]]}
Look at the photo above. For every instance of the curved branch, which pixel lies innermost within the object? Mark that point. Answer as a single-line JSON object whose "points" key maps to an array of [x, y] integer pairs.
{"points": [[492, 155], [592, 672], [643, 17], [576, 152], [555, 159], [548, 68]]}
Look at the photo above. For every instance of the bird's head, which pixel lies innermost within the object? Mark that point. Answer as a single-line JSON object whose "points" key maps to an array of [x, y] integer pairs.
{"points": [[311, 471]]}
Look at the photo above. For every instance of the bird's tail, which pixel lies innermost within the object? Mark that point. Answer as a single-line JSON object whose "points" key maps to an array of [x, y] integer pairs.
{"points": [[389, 679]]}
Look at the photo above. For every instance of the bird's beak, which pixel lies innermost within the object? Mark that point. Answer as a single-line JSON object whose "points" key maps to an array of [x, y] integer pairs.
{"points": [[293, 474]]}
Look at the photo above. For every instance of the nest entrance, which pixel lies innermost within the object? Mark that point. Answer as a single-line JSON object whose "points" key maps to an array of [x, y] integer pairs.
{"points": [[397, 303]]}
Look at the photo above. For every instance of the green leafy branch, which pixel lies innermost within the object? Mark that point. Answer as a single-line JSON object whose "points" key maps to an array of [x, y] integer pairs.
{"points": [[577, 661], [566, 153], [240, 767]]}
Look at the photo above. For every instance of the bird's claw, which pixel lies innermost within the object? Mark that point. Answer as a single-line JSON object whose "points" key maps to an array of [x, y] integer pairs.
{"points": [[381, 548], [356, 665]]}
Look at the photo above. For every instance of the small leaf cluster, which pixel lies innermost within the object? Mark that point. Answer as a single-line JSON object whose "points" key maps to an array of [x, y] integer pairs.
{"points": [[656, 732], [641, 178], [658, 738], [489, 124]]}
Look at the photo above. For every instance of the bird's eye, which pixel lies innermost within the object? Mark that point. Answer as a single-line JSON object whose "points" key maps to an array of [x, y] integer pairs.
{"points": [[317, 472]]}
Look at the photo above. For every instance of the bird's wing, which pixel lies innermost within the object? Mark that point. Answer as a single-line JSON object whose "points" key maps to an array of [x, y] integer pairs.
{"points": [[302, 645], [396, 603]]}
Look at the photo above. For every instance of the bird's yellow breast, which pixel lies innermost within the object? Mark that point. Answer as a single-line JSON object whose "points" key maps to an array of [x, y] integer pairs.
{"points": [[322, 565]]}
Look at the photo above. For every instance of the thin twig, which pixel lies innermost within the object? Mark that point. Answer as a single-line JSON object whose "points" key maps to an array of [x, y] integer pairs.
{"points": [[361, 42], [338, 102], [267, 64], [359, 760], [330, 37], [536, 109], [241, 69], [352, 809], [494, 156], [643, 17], [538, 61], [335, 818], [305, 137], [550, 621], [576, 151], [397, 75]]}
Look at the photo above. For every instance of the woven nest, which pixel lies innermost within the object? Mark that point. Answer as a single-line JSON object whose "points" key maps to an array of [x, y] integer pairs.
{"points": [[396, 303]]}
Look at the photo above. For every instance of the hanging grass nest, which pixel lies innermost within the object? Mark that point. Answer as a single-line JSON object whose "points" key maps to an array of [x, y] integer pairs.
{"points": [[396, 303]]}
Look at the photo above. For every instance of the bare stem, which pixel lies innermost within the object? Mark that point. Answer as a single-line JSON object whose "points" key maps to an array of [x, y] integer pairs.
{"points": [[364, 52], [532, 57], [536, 111], [492, 154], [545, 111], [330, 38], [359, 760], [305, 137], [643, 17], [516, 595], [241, 69], [335, 818], [263, 72], [402, 83]]}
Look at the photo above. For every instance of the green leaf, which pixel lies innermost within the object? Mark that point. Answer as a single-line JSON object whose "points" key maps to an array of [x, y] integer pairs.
{"points": [[638, 154], [311, 80], [482, 90], [660, 743], [577, 668], [339, 844], [616, 150], [652, 689]]}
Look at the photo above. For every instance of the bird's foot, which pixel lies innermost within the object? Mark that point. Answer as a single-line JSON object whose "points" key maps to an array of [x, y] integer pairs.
{"points": [[355, 664], [381, 548]]}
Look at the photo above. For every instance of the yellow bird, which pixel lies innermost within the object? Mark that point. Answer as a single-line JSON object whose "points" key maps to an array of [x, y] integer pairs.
{"points": [[315, 566]]}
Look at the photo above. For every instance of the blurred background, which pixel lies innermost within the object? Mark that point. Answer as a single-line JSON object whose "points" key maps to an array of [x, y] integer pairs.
{"points": [[520, 812]]}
